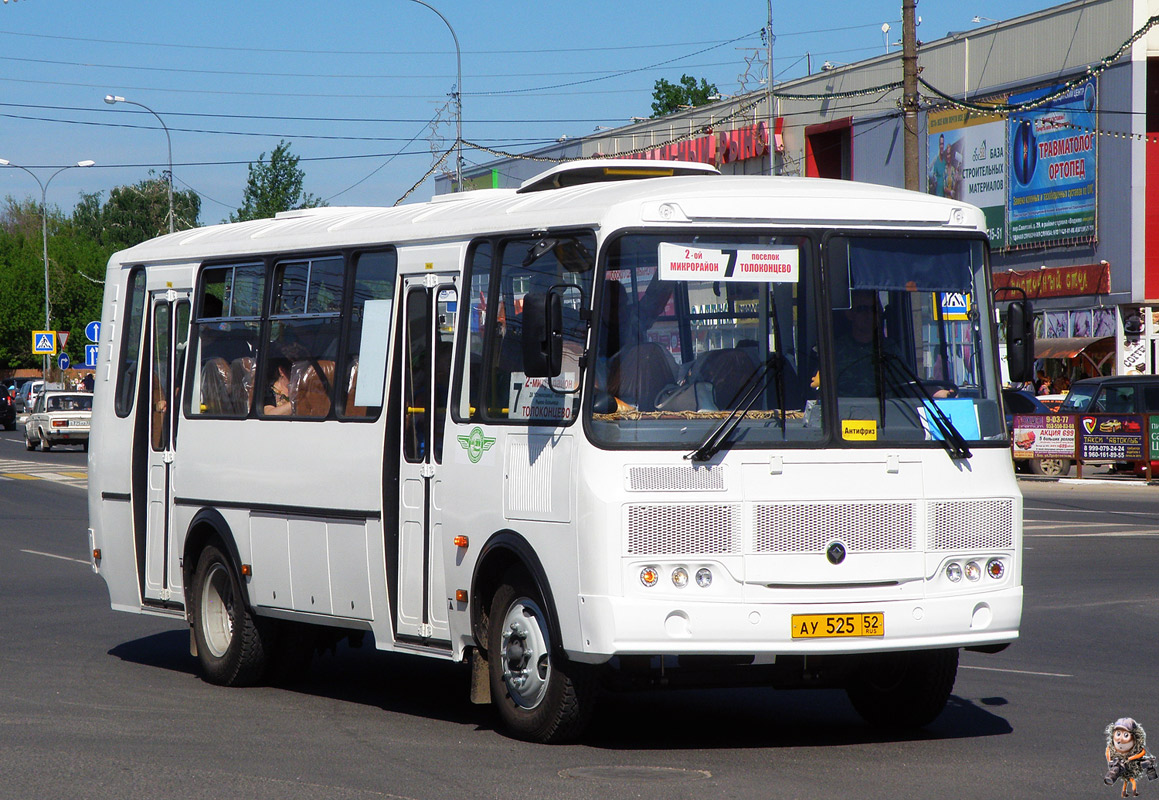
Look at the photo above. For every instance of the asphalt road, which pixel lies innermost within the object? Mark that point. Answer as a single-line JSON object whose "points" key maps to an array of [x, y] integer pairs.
{"points": [[99, 704]]}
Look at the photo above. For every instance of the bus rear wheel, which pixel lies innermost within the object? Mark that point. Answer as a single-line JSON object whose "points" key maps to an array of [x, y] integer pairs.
{"points": [[232, 643], [540, 695], [903, 690]]}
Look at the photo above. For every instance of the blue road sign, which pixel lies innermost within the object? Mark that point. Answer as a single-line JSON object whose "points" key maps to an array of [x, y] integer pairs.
{"points": [[93, 331], [91, 355], [63, 361], [44, 343]]}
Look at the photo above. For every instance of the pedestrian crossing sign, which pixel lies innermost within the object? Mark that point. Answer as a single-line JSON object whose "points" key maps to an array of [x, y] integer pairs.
{"points": [[44, 343]]}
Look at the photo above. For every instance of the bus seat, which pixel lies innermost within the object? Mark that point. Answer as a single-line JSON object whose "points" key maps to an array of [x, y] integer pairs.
{"points": [[242, 384], [215, 382], [310, 391], [727, 371], [353, 410], [638, 374]]}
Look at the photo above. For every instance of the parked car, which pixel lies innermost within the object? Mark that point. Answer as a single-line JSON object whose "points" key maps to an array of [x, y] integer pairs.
{"points": [[1116, 394], [7, 412], [1020, 401], [59, 418], [1053, 402], [26, 396]]}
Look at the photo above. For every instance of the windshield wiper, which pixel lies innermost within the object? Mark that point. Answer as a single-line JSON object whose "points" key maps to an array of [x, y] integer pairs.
{"points": [[952, 439], [748, 395]]}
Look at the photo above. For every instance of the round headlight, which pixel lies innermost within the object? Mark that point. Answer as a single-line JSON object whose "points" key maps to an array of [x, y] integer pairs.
{"points": [[680, 577], [649, 576], [973, 571], [954, 571], [704, 577], [995, 568]]}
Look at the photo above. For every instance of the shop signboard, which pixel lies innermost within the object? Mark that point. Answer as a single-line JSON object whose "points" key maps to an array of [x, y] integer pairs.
{"points": [[966, 160], [1052, 161], [1111, 437], [1044, 435], [1153, 435]]}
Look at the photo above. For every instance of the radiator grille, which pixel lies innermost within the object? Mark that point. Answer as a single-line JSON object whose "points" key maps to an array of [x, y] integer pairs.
{"points": [[686, 529], [675, 479], [970, 524], [811, 527]]}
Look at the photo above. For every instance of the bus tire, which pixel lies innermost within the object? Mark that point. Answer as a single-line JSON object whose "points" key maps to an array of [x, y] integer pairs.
{"points": [[232, 643], [540, 695], [903, 690]]}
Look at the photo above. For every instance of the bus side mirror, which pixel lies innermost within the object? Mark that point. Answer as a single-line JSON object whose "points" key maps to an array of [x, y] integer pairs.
{"points": [[542, 334], [1020, 340]]}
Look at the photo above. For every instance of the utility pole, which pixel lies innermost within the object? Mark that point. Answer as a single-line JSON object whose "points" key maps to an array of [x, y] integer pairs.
{"points": [[909, 80], [769, 97]]}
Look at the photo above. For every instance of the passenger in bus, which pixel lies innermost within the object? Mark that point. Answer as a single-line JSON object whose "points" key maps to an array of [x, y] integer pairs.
{"points": [[855, 347], [276, 401]]}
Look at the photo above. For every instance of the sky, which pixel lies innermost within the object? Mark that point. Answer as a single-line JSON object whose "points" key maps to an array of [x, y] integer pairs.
{"points": [[361, 88]]}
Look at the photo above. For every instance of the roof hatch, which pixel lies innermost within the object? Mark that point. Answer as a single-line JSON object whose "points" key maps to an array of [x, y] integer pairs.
{"points": [[600, 170]]}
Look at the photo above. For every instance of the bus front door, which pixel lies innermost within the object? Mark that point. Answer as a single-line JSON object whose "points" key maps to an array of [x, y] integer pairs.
{"points": [[169, 329], [428, 331]]}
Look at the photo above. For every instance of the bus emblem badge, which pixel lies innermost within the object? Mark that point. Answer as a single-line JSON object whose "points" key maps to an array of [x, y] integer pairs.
{"points": [[476, 444], [835, 553]]}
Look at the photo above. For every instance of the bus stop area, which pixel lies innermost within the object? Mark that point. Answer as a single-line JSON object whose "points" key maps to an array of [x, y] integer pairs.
{"points": [[1115, 446]]}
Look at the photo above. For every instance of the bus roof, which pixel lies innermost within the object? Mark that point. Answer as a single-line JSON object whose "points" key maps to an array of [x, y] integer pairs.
{"points": [[692, 200]]}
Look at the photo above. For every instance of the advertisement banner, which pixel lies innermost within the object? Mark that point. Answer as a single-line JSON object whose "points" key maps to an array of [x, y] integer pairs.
{"points": [[1107, 437], [1043, 435], [966, 160], [1052, 167]]}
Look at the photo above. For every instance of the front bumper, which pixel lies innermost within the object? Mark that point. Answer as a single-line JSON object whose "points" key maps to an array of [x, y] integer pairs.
{"points": [[613, 626]]}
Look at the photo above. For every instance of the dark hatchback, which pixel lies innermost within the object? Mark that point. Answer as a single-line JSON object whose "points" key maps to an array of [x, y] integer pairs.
{"points": [[7, 411]]}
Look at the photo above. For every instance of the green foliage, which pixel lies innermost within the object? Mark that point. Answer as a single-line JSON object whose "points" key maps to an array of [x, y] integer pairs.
{"points": [[670, 97], [134, 214], [274, 186]]}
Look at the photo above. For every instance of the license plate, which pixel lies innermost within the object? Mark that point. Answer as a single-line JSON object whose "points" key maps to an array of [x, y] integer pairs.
{"points": [[78, 423], [837, 626]]}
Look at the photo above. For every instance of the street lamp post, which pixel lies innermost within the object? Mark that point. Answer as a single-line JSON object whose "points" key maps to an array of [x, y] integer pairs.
{"points": [[113, 99], [458, 94], [44, 230]]}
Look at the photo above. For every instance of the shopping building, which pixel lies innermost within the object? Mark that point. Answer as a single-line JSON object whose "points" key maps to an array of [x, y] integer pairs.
{"points": [[1049, 122]]}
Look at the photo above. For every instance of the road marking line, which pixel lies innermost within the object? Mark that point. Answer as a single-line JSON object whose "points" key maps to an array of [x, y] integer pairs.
{"points": [[1069, 511], [1018, 671], [74, 474], [19, 476], [54, 555], [1106, 535]]}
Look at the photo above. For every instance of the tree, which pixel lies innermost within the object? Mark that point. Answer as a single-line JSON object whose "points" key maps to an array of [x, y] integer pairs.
{"points": [[669, 97], [274, 186], [135, 213]]}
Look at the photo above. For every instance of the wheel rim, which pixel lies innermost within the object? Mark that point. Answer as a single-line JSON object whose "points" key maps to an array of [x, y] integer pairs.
{"points": [[525, 651], [1051, 466], [217, 610]]}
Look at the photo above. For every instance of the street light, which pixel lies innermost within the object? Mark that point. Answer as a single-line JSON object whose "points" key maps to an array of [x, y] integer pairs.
{"points": [[458, 95], [113, 99], [44, 230]]}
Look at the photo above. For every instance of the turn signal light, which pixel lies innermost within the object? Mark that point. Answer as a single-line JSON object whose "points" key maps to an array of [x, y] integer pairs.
{"points": [[96, 554], [247, 570], [649, 576], [995, 568], [461, 595], [460, 541]]}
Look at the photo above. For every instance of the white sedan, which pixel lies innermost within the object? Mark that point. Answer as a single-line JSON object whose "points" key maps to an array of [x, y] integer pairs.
{"points": [[59, 418]]}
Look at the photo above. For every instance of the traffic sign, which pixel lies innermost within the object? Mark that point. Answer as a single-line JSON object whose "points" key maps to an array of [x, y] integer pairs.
{"points": [[63, 361], [63, 336], [91, 355], [44, 343], [93, 331]]}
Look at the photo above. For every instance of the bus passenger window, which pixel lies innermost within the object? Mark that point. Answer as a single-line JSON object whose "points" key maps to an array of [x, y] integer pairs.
{"points": [[225, 341], [372, 282], [305, 322], [131, 343]]}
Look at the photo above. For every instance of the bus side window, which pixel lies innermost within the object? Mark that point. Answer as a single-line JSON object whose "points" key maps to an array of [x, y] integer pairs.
{"points": [[372, 280], [131, 343], [467, 401], [224, 343]]}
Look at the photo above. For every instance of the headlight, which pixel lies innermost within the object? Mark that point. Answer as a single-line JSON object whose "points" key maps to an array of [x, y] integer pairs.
{"points": [[973, 571], [704, 577], [680, 577], [954, 571]]}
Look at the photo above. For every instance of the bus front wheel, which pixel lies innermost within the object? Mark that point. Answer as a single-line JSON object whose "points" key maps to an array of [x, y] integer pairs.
{"points": [[903, 690], [232, 644], [540, 695]]}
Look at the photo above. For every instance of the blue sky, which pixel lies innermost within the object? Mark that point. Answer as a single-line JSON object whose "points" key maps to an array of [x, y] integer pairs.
{"points": [[354, 85]]}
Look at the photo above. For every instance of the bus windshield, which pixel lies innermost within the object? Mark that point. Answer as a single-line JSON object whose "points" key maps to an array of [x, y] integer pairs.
{"points": [[696, 330]]}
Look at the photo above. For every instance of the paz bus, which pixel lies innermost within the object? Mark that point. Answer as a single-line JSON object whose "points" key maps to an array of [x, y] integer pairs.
{"points": [[630, 424]]}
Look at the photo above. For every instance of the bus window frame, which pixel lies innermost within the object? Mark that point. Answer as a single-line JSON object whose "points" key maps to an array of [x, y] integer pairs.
{"points": [[134, 272]]}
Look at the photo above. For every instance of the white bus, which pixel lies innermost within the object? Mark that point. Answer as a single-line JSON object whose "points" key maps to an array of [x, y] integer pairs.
{"points": [[617, 428]]}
